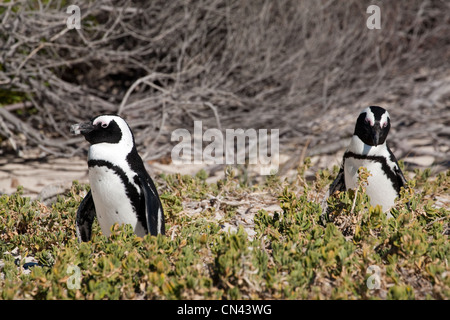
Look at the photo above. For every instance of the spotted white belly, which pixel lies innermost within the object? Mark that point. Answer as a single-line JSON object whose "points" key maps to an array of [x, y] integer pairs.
{"points": [[379, 187], [111, 201]]}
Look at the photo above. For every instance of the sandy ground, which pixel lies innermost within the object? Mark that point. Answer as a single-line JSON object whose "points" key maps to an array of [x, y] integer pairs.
{"points": [[45, 178], [41, 178]]}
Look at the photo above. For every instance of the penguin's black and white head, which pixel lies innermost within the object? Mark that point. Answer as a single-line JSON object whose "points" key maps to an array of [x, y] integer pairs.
{"points": [[373, 125], [110, 135]]}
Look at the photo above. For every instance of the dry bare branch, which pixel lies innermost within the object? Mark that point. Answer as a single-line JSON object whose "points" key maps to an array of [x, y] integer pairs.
{"points": [[304, 67]]}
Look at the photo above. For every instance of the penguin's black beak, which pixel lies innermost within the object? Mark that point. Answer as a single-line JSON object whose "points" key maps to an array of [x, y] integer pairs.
{"points": [[82, 128], [375, 134]]}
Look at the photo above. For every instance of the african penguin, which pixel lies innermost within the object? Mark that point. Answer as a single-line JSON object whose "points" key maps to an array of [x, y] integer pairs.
{"points": [[121, 189], [368, 149]]}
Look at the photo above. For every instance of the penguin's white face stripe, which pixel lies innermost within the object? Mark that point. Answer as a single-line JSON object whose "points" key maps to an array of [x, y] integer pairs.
{"points": [[113, 152], [384, 119], [126, 142], [103, 121], [370, 117]]}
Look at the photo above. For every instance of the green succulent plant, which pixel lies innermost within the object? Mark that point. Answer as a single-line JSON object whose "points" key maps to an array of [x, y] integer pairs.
{"points": [[360, 254]]}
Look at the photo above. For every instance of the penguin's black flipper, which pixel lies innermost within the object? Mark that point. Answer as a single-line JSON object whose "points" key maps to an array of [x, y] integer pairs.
{"points": [[85, 218], [400, 180], [153, 207], [337, 185]]}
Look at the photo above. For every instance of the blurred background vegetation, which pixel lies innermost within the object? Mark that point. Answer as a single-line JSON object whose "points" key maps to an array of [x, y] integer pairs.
{"points": [[304, 67]]}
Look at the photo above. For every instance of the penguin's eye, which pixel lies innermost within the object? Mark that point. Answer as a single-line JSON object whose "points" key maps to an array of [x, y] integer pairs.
{"points": [[104, 125], [384, 125], [367, 121]]}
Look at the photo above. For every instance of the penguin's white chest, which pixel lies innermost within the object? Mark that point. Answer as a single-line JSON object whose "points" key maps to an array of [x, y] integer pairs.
{"points": [[379, 187], [112, 204]]}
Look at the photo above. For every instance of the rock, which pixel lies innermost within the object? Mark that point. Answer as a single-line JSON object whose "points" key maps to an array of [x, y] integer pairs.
{"points": [[50, 193], [420, 161]]}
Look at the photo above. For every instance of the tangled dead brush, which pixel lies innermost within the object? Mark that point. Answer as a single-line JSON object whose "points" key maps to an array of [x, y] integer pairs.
{"points": [[299, 66]]}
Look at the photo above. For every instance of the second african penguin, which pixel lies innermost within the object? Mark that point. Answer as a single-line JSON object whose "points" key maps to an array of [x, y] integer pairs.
{"points": [[121, 189], [368, 149]]}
